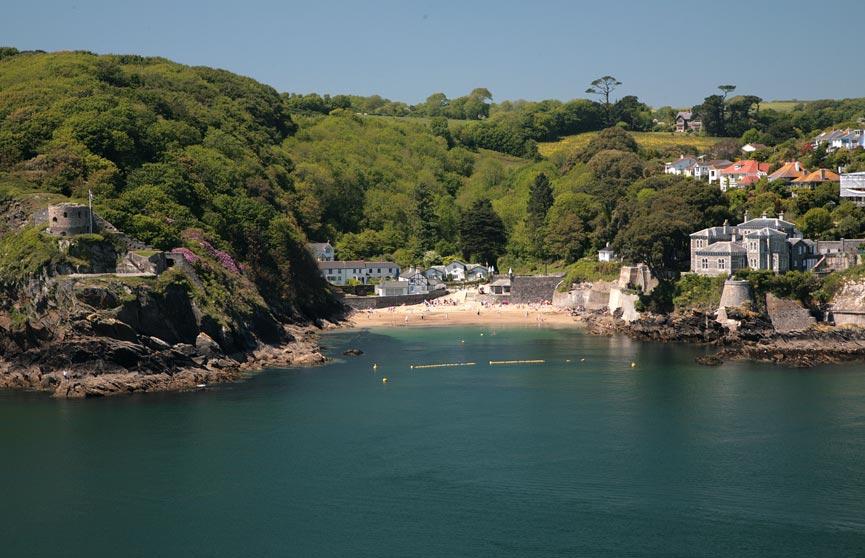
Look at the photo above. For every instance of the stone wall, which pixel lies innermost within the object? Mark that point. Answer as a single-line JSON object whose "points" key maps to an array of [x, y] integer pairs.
{"points": [[848, 305], [787, 315], [373, 302], [637, 277], [622, 304], [133, 262], [585, 296], [534, 289]]}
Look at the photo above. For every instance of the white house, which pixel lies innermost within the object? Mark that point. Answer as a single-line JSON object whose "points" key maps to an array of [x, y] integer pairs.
{"points": [[417, 282], [455, 271], [681, 166], [392, 288], [841, 139], [741, 174], [749, 148], [714, 168], [436, 272], [853, 187], [477, 272], [321, 251], [606, 254], [341, 273]]}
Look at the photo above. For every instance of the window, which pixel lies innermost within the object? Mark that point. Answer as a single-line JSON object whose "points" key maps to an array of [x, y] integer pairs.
{"points": [[704, 263], [64, 214], [721, 263]]}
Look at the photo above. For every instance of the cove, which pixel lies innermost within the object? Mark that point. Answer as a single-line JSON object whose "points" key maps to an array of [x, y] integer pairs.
{"points": [[581, 455]]}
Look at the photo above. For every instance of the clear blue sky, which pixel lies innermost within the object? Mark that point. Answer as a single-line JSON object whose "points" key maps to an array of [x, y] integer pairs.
{"points": [[666, 52]]}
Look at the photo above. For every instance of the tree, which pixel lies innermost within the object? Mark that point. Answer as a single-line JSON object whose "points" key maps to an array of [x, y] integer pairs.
{"points": [[566, 237], [611, 138], [540, 202], [816, 223], [603, 87], [712, 114], [726, 90], [439, 127], [482, 233], [426, 228]]}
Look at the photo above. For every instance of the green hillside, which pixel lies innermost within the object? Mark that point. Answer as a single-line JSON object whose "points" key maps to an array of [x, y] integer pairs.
{"points": [[164, 148]]}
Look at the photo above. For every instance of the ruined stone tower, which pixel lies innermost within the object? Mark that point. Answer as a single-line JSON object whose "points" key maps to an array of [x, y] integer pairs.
{"points": [[68, 219]]}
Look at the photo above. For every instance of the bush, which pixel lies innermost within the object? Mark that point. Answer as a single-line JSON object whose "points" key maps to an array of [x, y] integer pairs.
{"points": [[698, 292], [589, 270]]}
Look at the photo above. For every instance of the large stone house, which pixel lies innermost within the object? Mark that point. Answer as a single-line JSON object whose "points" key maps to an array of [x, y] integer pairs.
{"points": [[763, 243], [769, 243], [686, 121]]}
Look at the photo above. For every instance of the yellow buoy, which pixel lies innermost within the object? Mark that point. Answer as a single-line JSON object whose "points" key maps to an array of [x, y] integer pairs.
{"points": [[633, 365], [567, 360], [582, 360], [374, 366], [384, 380]]}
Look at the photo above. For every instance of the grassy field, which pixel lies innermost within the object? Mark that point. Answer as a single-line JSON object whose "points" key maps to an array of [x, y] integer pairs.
{"points": [[648, 140], [781, 106]]}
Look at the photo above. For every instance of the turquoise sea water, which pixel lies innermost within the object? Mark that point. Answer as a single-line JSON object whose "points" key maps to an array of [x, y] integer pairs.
{"points": [[579, 458]]}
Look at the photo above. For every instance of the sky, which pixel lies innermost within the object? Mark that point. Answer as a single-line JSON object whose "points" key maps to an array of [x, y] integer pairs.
{"points": [[671, 52]]}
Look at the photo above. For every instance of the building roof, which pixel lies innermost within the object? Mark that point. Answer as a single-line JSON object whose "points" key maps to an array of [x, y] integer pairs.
{"points": [[753, 147], [777, 223], [352, 264], [748, 166], [503, 282], [788, 171], [686, 114], [722, 248], [716, 232], [718, 163], [819, 175], [683, 163], [764, 232]]}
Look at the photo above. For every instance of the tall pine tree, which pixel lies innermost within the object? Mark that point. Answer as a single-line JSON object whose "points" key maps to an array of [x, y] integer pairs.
{"points": [[482, 233], [540, 202], [426, 227]]}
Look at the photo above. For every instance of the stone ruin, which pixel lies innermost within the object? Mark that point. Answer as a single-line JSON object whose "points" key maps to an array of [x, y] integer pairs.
{"points": [[67, 219]]}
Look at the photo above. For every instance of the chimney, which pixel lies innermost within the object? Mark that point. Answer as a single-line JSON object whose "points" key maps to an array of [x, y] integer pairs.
{"points": [[781, 216], [745, 217]]}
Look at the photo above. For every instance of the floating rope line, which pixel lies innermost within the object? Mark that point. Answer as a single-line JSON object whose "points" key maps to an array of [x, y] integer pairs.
{"points": [[444, 365], [493, 362]]}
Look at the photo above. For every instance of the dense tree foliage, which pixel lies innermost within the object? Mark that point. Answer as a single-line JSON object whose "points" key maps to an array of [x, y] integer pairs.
{"points": [[164, 148]]}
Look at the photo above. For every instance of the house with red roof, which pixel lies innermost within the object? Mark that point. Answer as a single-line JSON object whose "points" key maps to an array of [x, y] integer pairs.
{"points": [[742, 173], [788, 172]]}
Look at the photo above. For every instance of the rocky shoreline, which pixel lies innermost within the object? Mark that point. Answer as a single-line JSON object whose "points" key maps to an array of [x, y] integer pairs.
{"points": [[754, 340], [100, 336], [84, 367]]}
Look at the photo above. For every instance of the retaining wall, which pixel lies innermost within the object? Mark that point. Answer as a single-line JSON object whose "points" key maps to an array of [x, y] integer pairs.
{"points": [[373, 302], [787, 315], [533, 289]]}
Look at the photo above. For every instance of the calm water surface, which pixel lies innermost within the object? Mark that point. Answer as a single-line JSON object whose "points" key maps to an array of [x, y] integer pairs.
{"points": [[580, 458]]}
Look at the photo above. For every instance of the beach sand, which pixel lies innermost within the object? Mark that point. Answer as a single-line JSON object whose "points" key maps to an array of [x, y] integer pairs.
{"points": [[461, 309]]}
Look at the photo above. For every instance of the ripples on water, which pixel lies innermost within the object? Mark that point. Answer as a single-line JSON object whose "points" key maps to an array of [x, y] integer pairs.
{"points": [[590, 458]]}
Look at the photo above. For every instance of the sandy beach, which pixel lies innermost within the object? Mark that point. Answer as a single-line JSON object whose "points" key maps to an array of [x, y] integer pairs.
{"points": [[461, 308]]}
